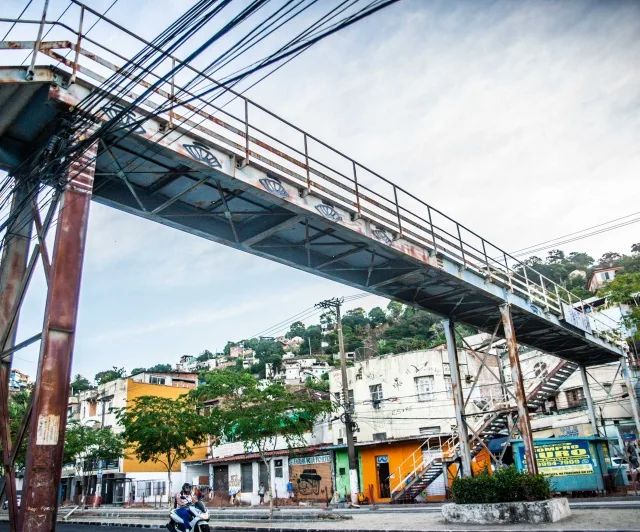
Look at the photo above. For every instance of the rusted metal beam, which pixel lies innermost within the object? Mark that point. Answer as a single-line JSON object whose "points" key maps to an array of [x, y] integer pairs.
{"points": [[12, 271], [458, 397], [587, 395], [5, 332], [39, 505], [44, 252], [633, 399], [518, 385]]}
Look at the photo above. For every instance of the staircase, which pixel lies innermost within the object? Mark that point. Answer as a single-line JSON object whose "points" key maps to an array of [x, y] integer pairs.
{"points": [[418, 470], [494, 425], [416, 473]]}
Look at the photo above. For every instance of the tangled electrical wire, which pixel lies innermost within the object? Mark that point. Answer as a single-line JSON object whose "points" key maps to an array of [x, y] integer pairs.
{"points": [[251, 26]]}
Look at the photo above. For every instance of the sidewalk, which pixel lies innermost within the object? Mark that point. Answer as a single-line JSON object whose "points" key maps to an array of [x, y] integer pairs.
{"points": [[371, 521]]}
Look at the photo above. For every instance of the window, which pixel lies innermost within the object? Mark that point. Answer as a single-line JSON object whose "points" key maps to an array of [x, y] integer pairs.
{"points": [[264, 475], [159, 487], [448, 387], [446, 368], [424, 386], [575, 397], [340, 441], [375, 392], [428, 431], [246, 478], [355, 439], [156, 380], [342, 471], [277, 466], [605, 276], [379, 436], [606, 386]]}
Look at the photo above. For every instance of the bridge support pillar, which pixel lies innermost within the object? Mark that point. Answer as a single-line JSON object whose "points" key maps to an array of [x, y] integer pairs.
{"points": [[633, 399], [518, 385], [13, 268], [458, 397], [587, 395], [39, 505]]}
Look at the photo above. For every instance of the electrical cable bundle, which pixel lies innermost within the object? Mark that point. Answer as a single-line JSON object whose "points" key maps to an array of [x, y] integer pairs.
{"points": [[74, 135]]}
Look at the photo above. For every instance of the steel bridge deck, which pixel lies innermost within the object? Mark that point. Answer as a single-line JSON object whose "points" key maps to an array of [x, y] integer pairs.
{"points": [[206, 185]]}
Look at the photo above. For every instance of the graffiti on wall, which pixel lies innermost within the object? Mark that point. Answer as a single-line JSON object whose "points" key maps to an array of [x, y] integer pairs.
{"points": [[311, 476]]}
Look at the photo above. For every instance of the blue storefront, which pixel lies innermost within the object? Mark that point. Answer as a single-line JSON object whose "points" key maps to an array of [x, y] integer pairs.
{"points": [[573, 464]]}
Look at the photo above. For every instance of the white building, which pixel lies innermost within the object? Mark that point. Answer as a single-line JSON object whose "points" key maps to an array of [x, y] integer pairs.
{"points": [[297, 370], [408, 394], [600, 277]]}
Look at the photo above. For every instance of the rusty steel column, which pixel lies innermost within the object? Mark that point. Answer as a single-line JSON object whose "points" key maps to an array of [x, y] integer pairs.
{"points": [[587, 395], [633, 400], [518, 386], [458, 397], [12, 271], [39, 505]]}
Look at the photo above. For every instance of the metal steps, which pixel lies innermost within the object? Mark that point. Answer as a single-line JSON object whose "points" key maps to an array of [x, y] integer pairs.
{"points": [[420, 482]]}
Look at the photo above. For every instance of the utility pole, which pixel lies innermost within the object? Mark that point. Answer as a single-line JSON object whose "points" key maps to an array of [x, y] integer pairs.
{"points": [[335, 304]]}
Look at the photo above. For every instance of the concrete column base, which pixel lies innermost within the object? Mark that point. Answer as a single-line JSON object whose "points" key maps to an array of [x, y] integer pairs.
{"points": [[548, 511]]}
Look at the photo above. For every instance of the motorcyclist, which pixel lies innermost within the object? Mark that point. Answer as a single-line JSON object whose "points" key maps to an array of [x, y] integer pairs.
{"points": [[183, 500]]}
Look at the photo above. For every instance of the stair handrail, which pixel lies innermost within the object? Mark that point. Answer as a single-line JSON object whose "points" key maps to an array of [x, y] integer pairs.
{"points": [[414, 464]]}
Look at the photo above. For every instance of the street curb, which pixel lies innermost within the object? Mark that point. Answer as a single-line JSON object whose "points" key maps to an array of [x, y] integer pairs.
{"points": [[232, 528]]}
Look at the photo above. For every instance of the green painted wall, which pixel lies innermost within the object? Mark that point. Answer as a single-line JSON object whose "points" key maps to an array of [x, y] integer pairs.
{"points": [[343, 486]]}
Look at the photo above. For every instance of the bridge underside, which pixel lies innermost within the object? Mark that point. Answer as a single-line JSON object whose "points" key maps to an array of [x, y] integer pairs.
{"points": [[203, 188]]}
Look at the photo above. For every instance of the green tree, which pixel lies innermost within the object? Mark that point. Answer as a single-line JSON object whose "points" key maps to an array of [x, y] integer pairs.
{"points": [[163, 368], [136, 371], [18, 405], [377, 317], [205, 355], [113, 374], [625, 288], [162, 430], [609, 260], [260, 418], [80, 384], [297, 329], [87, 447], [395, 309]]}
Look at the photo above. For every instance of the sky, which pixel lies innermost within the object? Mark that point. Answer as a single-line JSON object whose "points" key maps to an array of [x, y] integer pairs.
{"points": [[519, 119]]}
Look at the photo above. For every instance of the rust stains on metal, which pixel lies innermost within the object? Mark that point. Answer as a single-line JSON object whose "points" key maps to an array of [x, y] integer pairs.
{"points": [[39, 506], [521, 396]]}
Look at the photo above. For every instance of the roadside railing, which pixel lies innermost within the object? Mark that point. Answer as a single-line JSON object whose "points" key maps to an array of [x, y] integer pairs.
{"points": [[260, 138]]}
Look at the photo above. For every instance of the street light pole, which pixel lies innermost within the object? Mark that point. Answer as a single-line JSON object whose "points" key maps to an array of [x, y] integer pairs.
{"points": [[335, 305]]}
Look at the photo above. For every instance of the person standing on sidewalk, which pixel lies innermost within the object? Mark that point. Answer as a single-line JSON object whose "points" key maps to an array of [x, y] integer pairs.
{"points": [[261, 492]]}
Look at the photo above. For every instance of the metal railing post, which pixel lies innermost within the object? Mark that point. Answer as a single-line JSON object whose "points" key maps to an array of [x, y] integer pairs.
{"points": [[506, 265], [246, 131], [173, 89], [78, 44], [464, 260], [355, 181], [433, 234], [395, 195], [36, 46], [544, 293], [306, 163]]}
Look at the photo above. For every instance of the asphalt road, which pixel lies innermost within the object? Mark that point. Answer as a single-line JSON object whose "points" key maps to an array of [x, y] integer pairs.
{"points": [[4, 527]]}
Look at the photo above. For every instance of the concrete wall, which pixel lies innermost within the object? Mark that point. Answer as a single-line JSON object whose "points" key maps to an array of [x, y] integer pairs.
{"points": [[404, 412]]}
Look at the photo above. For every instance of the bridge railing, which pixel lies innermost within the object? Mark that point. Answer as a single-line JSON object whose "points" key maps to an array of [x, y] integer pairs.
{"points": [[258, 137]]}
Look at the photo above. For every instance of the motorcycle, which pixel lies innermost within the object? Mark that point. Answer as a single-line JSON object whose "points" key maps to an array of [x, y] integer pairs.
{"points": [[199, 519]]}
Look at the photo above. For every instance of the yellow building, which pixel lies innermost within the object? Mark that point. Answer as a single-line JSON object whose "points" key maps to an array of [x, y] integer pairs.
{"points": [[129, 479]]}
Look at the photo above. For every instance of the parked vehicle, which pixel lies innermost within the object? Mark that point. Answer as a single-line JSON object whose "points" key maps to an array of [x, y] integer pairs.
{"points": [[18, 498], [199, 519]]}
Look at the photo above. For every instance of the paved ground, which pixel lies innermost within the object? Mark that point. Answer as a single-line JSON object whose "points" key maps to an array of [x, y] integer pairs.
{"points": [[581, 520]]}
